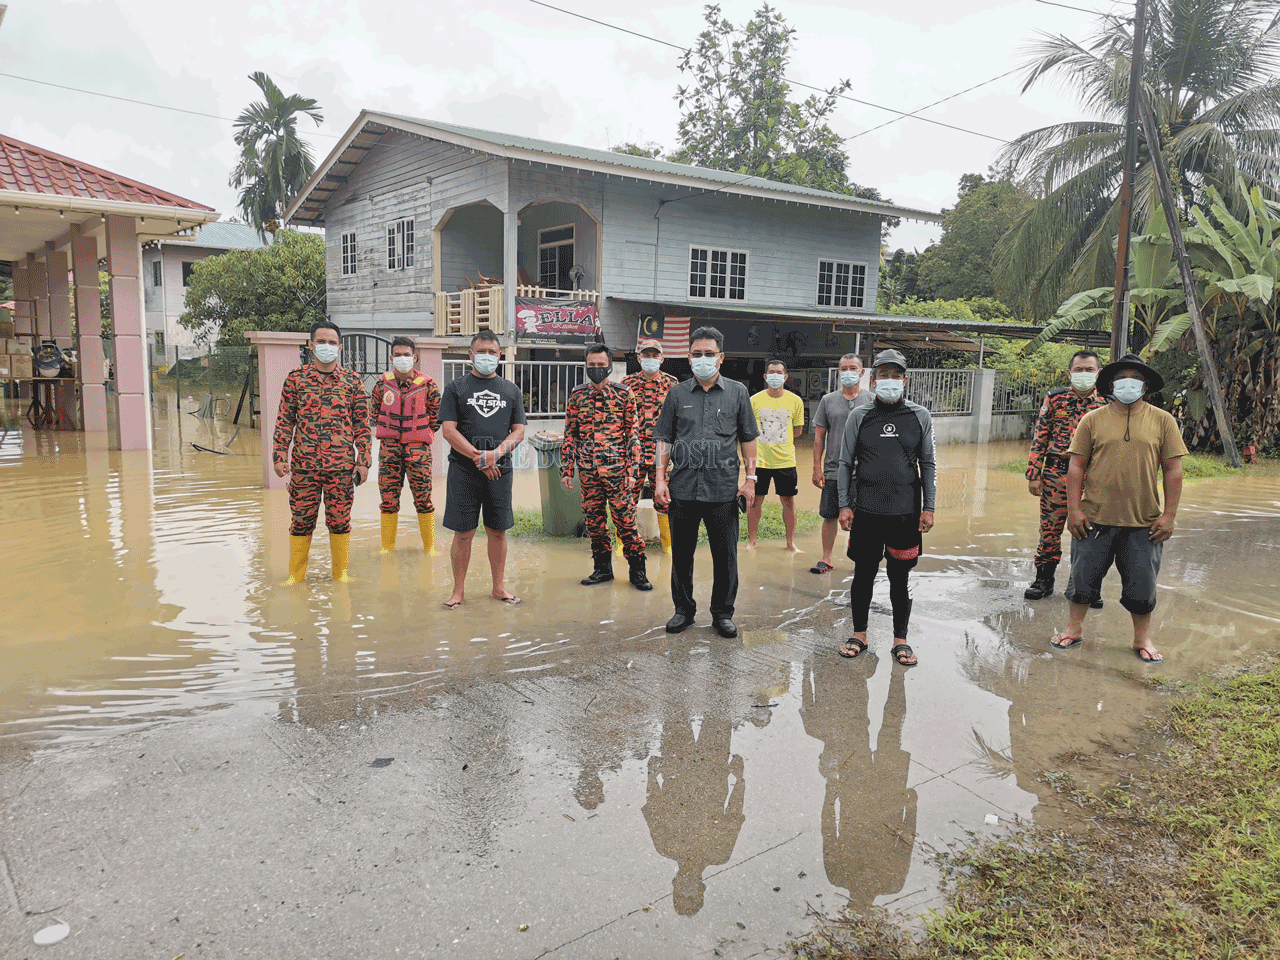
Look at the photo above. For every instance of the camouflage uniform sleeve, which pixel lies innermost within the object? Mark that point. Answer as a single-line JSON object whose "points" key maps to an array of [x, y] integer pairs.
{"points": [[433, 404], [286, 419], [361, 436], [568, 450], [375, 399], [631, 425], [1039, 441]]}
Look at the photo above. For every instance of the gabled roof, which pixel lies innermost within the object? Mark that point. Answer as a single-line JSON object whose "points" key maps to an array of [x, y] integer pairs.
{"points": [[224, 235], [28, 169], [364, 134]]}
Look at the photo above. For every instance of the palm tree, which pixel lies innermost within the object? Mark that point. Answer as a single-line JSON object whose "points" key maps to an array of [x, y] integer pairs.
{"points": [[274, 162], [1210, 76]]}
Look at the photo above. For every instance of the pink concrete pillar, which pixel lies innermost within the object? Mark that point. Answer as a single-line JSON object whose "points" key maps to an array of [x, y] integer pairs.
{"points": [[38, 281], [277, 355], [93, 391], [431, 362], [59, 295], [129, 354]]}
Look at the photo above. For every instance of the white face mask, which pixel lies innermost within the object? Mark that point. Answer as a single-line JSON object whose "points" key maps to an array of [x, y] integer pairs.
{"points": [[326, 352], [1128, 390], [890, 391], [774, 380], [402, 364], [1084, 381], [485, 363], [849, 378], [704, 368], [650, 364]]}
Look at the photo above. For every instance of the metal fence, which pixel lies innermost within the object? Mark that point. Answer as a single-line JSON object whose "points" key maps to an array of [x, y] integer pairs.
{"points": [[546, 385], [1016, 395], [944, 393]]}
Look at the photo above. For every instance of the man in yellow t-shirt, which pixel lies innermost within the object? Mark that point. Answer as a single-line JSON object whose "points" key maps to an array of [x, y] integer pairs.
{"points": [[1121, 456], [780, 416]]}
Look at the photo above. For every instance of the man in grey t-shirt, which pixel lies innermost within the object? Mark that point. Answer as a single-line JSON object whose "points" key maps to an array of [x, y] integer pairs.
{"points": [[828, 433]]}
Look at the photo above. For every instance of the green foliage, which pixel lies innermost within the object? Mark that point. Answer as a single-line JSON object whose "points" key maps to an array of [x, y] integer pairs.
{"points": [[959, 265], [280, 287], [737, 115], [649, 150], [899, 278], [1209, 72], [275, 163]]}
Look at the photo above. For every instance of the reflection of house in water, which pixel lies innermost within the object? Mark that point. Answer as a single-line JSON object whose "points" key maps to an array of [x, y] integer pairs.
{"points": [[868, 814]]}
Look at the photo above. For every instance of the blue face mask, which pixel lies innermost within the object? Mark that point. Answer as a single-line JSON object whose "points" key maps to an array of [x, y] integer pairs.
{"points": [[650, 364], [485, 363], [890, 391], [326, 352], [849, 378], [1128, 390], [775, 380], [704, 368]]}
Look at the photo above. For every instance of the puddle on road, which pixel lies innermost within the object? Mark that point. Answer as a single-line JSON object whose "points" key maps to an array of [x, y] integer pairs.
{"points": [[145, 589]]}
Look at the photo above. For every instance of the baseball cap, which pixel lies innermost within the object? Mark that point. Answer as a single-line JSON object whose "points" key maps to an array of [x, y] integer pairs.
{"points": [[650, 345], [890, 356]]}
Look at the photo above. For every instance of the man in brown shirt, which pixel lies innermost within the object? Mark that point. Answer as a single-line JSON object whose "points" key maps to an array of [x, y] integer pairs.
{"points": [[1114, 509]]}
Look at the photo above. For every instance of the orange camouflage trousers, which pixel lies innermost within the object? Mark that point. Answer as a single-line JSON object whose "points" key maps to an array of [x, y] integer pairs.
{"points": [[649, 479], [397, 460], [307, 488], [1053, 510], [600, 496]]}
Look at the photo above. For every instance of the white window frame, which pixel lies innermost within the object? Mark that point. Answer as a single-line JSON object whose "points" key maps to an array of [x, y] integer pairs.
{"points": [[400, 244], [708, 286], [571, 242], [848, 288], [348, 247]]}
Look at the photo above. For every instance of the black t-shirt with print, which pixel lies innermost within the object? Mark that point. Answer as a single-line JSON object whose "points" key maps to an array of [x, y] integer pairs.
{"points": [[485, 409]]}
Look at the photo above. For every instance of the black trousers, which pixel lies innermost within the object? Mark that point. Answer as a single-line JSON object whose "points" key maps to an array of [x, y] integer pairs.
{"points": [[721, 520]]}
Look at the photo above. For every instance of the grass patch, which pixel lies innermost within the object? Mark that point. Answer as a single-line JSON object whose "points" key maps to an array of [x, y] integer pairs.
{"points": [[1195, 466], [1185, 863], [529, 524]]}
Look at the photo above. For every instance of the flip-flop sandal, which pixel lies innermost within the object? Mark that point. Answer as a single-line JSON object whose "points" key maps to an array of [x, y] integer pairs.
{"points": [[852, 642], [1075, 641], [1139, 651], [900, 654], [452, 604], [821, 567], [508, 599]]}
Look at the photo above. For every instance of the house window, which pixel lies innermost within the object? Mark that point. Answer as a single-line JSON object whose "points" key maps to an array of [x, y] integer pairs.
{"points": [[841, 284], [400, 244], [717, 274], [555, 258], [155, 273], [348, 254], [187, 267]]}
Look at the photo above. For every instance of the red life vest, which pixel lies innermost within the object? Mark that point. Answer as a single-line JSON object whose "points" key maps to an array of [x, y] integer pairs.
{"points": [[402, 415]]}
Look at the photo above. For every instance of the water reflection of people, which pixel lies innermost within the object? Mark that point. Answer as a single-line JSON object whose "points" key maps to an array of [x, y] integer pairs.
{"points": [[868, 813], [694, 806]]}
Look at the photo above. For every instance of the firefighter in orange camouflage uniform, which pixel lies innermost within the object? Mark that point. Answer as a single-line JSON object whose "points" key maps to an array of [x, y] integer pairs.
{"points": [[324, 418], [602, 439], [1047, 467], [650, 387]]}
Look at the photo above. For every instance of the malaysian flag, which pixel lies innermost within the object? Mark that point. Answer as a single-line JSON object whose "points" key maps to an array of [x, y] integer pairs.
{"points": [[672, 333]]}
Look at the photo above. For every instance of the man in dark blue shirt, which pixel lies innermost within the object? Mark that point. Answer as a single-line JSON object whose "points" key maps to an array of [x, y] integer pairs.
{"points": [[888, 487]]}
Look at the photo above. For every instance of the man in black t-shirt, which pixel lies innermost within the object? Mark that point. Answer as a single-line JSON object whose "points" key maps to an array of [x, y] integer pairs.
{"points": [[482, 419]]}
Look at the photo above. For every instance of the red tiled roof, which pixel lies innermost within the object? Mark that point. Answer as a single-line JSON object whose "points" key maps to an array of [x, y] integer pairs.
{"points": [[33, 170]]}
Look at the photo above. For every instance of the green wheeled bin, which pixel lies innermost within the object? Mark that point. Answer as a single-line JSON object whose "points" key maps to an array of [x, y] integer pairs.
{"points": [[561, 508]]}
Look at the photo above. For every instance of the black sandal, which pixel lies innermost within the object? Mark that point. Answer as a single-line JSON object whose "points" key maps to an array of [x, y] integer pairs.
{"points": [[860, 646], [901, 652]]}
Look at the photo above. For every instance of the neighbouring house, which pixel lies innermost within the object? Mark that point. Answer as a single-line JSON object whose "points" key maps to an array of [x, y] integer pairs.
{"points": [[166, 270], [433, 228]]}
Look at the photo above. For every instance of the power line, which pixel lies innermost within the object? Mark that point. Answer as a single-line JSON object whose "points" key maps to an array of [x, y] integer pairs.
{"points": [[1096, 13], [934, 104], [902, 114]]}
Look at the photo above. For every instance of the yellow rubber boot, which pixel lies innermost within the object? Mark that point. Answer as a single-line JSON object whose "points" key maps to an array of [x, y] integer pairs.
{"points": [[427, 525], [299, 547], [339, 548], [389, 521], [617, 544], [664, 532]]}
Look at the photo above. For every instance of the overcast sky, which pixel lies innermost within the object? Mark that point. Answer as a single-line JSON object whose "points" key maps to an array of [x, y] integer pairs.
{"points": [[513, 66]]}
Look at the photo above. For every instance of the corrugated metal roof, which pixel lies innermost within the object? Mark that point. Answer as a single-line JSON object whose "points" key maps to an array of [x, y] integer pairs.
{"points": [[307, 209], [30, 169], [225, 235]]}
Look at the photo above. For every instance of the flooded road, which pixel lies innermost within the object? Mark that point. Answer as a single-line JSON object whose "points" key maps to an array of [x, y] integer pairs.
{"points": [[194, 758]]}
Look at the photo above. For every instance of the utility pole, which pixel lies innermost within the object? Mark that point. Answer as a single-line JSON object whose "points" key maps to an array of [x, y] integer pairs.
{"points": [[1152, 134], [1120, 319]]}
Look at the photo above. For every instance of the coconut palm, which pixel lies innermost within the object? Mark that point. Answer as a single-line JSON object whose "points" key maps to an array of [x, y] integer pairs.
{"points": [[274, 161], [1210, 76]]}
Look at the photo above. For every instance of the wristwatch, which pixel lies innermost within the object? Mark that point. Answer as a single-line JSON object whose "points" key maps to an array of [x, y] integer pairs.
{"points": [[749, 477]]}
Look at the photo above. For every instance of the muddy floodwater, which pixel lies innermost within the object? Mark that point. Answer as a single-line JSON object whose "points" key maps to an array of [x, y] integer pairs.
{"points": [[197, 760]]}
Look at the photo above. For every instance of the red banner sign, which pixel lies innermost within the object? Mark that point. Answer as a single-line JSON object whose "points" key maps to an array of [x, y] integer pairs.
{"points": [[557, 322]]}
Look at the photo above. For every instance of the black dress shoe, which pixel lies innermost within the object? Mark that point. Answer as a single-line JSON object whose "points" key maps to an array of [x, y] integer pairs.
{"points": [[680, 623], [726, 628]]}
